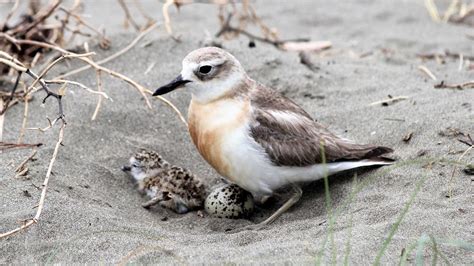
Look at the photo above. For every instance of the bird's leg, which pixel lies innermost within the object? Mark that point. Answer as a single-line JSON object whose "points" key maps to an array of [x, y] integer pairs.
{"points": [[160, 197], [297, 193], [152, 202]]}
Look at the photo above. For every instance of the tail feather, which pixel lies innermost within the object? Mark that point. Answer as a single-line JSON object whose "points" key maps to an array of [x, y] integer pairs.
{"points": [[377, 151], [347, 165], [361, 152], [318, 171]]}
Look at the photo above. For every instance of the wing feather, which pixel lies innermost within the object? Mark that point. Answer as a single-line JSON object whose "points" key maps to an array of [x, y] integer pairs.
{"points": [[291, 137]]}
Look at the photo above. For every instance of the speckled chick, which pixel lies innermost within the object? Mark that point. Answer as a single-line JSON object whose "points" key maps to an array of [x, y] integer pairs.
{"points": [[229, 201], [170, 186]]}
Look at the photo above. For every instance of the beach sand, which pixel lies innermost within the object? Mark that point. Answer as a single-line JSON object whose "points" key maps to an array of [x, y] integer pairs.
{"points": [[92, 211]]}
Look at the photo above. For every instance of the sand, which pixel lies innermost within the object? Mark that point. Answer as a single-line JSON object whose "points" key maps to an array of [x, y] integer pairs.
{"points": [[92, 212]]}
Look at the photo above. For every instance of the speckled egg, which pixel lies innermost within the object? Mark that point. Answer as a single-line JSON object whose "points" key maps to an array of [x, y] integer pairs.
{"points": [[229, 201]]}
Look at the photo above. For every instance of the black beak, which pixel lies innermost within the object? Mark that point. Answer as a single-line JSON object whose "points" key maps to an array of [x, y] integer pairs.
{"points": [[126, 168], [173, 85]]}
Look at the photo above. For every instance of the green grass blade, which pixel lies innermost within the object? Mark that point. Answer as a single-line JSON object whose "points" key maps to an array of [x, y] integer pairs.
{"points": [[368, 179], [420, 250], [435, 251], [397, 223], [348, 244], [330, 233]]}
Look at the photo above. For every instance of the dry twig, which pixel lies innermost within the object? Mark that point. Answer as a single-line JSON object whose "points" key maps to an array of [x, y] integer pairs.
{"points": [[140, 9], [458, 86], [6, 104], [104, 42], [99, 88], [50, 125], [13, 63], [468, 141], [88, 61], [10, 14], [113, 56], [455, 167], [277, 43], [38, 18], [128, 17], [20, 168], [425, 70], [25, 116], [35, 219], [9, 146], [2, 120], [432, 10], [166, 17], [445, 54], [390, 100], [63, 81]]}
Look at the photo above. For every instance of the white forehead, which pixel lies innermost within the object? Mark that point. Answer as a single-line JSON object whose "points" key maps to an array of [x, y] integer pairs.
{"points": [[212, 56], [207, 55]]}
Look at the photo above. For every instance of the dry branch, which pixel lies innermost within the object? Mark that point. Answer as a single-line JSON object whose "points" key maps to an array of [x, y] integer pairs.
{"points": [[2, 120], [64, 81], [113, 56], [10, 14], [21, 166], [468, 141], [166, 17], [50, 125], [25, 119], [128, 17], [44, 189], [445, 54], [144, 14], [21, 68], [95, 65], [99, 88], [104, 42], [432, 10], [458, 86], [268, 37], [38, 18], [390, 100], [8, 146], [6, 104], [428, 72], [455, 167], [88, 61]]}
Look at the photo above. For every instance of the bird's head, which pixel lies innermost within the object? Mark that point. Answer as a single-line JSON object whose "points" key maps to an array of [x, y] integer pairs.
{"points": [[208, 73], [145, 163]]}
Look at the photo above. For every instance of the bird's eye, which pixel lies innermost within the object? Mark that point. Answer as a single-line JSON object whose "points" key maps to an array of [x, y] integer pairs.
{"points": [[205, 69], [135, 165]]}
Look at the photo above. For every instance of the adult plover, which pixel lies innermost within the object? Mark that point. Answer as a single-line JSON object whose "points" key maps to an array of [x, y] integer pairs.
{"points": [[255, 137]]}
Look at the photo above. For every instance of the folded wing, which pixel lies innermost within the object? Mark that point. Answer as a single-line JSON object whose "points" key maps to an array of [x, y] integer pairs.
{"points": [[290, 137]]}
